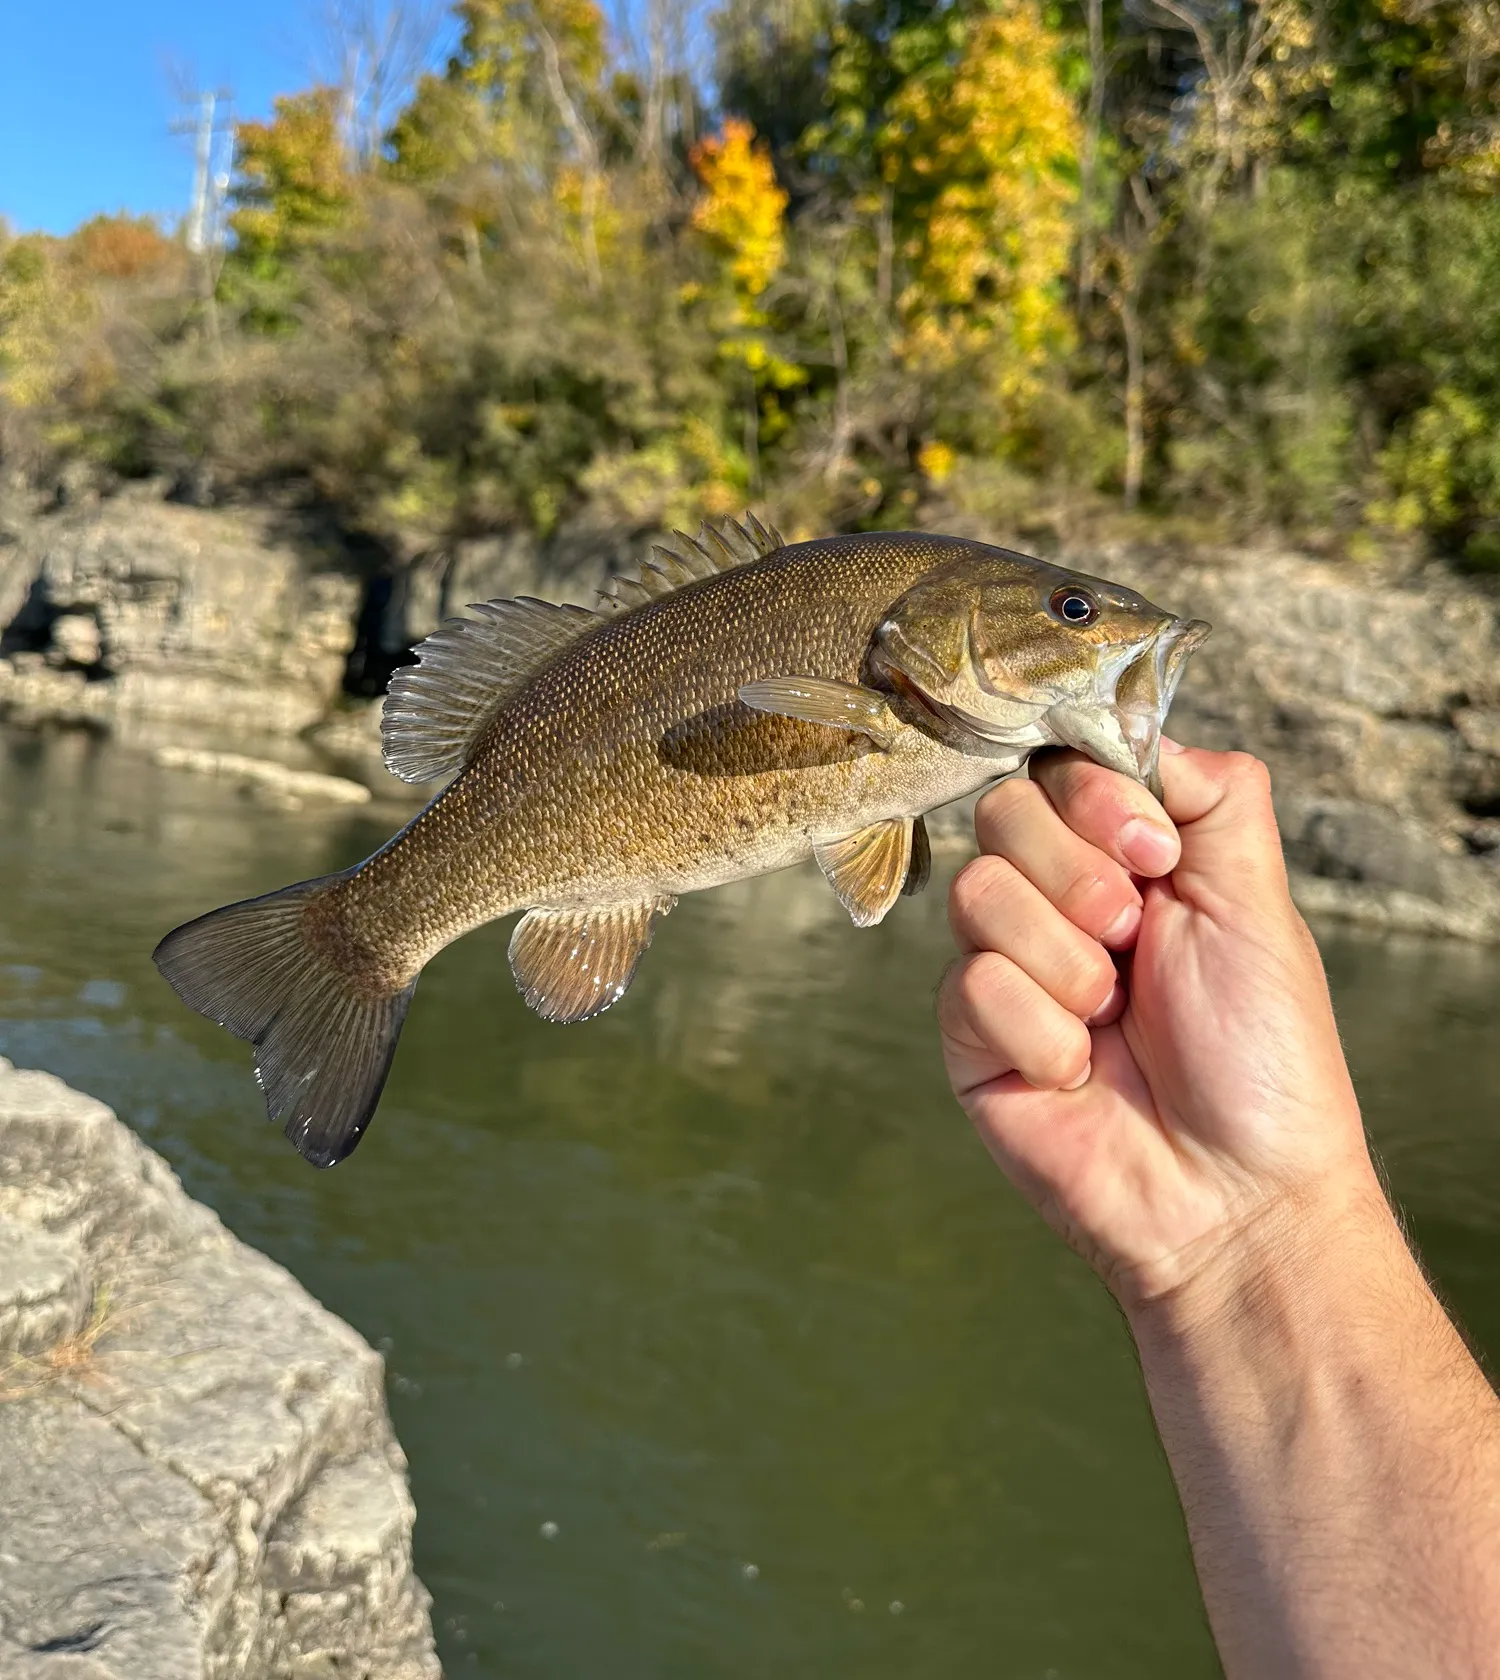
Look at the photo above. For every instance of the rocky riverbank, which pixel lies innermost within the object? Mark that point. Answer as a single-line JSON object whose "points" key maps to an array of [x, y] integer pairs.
{"points": [[1375, 699], [250, 634], [198, 1478]]}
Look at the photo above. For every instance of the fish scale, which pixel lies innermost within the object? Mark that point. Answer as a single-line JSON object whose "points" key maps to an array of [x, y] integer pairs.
{"points": [[603, 763]]}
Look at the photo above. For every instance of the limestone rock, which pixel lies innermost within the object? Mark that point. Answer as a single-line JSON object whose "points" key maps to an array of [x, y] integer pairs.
{"points": [[44, 1291], [263, 776], [176, 612], [197, 1472]]}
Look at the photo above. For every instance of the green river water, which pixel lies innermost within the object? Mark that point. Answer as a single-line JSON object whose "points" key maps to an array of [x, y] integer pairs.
{"points": [[720, 1284]]}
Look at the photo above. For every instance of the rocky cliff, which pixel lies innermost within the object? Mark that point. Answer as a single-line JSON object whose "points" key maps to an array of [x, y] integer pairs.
{"points": [[1375, 697], [198, 1479]]}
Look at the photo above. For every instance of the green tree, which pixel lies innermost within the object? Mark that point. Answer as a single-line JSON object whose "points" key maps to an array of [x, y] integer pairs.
{"points": [[292, 181]]}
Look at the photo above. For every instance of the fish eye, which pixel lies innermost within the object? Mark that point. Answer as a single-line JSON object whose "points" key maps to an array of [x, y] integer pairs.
{"points": [[1074, 606]]}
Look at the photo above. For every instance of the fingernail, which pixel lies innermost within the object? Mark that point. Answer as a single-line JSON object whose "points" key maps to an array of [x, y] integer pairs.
{"points": [[1109, 1007], [1122, 929], [1081, 1080], [1149, 848]]}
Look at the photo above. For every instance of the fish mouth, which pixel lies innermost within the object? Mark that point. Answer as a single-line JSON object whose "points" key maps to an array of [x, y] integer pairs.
{"points": [[1124, 734]]}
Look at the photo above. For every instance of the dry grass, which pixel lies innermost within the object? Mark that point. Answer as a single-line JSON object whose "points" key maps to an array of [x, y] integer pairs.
{"points": [[72, 1359]]}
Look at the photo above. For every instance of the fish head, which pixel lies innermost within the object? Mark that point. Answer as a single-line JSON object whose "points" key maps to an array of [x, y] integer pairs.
{"points": [[1010, 654]]}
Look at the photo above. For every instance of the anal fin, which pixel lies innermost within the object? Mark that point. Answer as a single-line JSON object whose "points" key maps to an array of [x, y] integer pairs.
{"points": [[867, 869], [571, 964]]}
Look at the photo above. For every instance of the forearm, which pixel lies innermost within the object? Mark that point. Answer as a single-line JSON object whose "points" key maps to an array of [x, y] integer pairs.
{"points": [[1337, 1452]]}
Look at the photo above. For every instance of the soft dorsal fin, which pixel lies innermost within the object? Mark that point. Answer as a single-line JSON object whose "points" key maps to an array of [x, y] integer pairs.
{"points": [[716, 548], [466, 670]]}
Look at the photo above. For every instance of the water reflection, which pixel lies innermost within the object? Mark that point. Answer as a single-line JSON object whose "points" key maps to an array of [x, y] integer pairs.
{"points": [[712, 1333]]}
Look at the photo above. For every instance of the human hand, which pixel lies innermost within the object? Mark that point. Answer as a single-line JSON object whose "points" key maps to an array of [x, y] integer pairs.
{"points": [[1155, 1066]]}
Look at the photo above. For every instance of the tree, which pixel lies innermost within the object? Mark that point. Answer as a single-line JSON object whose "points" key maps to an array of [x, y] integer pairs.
{"points": [[982, 156], [292, 181]]}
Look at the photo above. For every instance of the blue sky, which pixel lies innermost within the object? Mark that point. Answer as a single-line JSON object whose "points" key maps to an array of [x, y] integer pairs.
{"points": [[88, 89]]}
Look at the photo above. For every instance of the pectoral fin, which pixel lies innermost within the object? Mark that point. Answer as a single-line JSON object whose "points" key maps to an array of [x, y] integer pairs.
{"points": [[839, 705], [571, 964], [867, 869]]}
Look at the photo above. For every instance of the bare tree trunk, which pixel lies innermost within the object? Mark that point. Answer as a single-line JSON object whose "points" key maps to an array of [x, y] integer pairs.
{"points": [[885, 250], [838, 442], [1135, 393], [470, 235], [588, 157], [752, 434], [374, 50], [654, 129], [1089, 163]]}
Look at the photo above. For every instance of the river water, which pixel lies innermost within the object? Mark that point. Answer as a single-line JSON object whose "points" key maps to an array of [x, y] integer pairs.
{"points": [[717, 1344]]}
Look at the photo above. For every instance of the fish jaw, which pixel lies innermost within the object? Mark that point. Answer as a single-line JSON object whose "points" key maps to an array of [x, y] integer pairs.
{"points": [[1124, 732]]}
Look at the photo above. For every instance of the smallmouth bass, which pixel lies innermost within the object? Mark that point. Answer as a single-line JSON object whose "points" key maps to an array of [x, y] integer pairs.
{"points": [[740, 706]]}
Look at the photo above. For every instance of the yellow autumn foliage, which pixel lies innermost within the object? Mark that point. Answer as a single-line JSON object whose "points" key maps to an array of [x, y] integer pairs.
{"points": [[44, 313], [936, 461], [742, 217], [294, 176], [743, 209], [989, 151]]}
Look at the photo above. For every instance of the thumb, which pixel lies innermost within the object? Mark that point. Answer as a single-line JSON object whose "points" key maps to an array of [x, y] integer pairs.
{"points": [[1221, 804]]}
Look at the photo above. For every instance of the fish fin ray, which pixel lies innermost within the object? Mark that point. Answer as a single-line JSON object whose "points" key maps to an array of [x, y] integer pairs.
{"points": [[718, 547], [838, 705], [622, 594], [687, 557], [766, 539], [467, 669], [664, 573], [323, 1046], [919, 870], [571, 964], [868, 868]]}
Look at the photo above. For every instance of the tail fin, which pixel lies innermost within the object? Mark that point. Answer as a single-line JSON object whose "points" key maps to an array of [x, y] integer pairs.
{"points": [[322, 1047]]}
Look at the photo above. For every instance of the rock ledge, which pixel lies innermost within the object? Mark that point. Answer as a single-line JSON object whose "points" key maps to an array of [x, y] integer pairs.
{"points": [[198, 1478]]}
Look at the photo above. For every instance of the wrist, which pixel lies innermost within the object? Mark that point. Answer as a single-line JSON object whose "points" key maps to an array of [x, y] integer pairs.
{"points": [[1298, 1257]]}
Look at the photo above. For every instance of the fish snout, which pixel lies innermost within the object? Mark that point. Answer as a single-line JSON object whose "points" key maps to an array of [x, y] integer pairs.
{"points": [[1177, 643], [1142, 706], [1124, 733]]}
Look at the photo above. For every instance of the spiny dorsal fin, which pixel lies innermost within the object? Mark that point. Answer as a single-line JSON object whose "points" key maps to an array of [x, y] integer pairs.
{"points": [[436, 710], [716, 548], [570, 964], [868, 868]]}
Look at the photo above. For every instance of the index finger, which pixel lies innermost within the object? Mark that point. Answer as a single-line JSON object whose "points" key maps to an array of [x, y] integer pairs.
{"points": [[1110, 811]]}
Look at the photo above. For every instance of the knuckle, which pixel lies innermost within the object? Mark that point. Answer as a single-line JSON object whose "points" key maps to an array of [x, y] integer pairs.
{"points": [[997, 810], [980, 984], [1249, 772], [1093, 897], [949, 1002], [1093, 980], [1058, 1054], [1074, 781], [976, 887]]}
